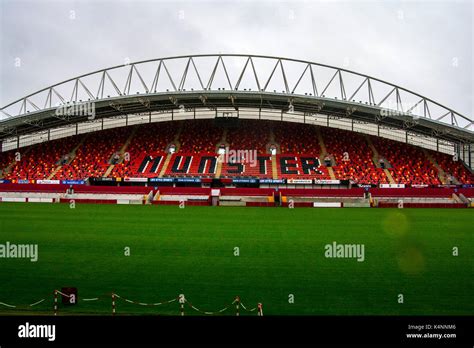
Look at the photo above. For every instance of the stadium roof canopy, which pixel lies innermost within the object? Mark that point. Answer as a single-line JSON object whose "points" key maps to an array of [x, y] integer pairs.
{"points": [[228, 85]]}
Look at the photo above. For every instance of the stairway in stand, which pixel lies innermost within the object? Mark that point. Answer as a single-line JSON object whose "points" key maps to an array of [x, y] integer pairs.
{"points": [[220, 159], [71, 154], [168, 157], [121, 152], [376, 159], [323, 154], [441, 173]]}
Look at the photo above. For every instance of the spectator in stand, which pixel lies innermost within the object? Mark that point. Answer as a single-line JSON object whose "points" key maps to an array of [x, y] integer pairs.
{"points": [[116, 158], [366, 191], [450, 179], [382, 163], [327, 161]]}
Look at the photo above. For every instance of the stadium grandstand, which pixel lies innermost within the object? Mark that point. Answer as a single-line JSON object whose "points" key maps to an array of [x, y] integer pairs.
{"points": [[235, 130]]}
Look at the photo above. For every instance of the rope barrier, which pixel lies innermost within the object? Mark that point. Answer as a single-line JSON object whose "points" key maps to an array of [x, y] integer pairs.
{"points": [[245, 308], [144, 304], [206, 312], [36, 303], [59, 292], [29, 305], [7, 305], [181, 299]]}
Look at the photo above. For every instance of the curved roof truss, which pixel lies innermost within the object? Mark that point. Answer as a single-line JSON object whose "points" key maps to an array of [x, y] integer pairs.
{"points": [[234, 81]]}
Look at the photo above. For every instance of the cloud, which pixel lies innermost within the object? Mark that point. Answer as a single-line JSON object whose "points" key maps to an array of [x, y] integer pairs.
{"points": [[421, 45]]}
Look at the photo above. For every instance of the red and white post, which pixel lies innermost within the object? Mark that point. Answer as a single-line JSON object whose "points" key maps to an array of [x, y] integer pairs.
{"points": [[260, 310], [237, 306], [181, 300], [113, 304], [55, 302]]}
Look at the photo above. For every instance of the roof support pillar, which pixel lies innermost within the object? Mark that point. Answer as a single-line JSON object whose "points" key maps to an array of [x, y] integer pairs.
{"points": [[470, 156]]}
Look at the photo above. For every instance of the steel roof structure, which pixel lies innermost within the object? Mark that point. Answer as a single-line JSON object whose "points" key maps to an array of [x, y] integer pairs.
{"points": [[226, 84]]}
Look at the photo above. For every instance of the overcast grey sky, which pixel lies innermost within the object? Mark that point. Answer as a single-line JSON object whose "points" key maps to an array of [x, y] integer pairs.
{"points": [[425, 46]]}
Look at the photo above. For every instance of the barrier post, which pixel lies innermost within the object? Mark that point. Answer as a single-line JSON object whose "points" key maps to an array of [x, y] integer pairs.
{"points": [[113, 304], [55, 302], [237, 306], [181, 300], [260, 310]]}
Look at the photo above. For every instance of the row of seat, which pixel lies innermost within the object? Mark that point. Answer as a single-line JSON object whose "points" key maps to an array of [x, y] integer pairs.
{"points": [[350, 154], [353, 157], [409, 164]]}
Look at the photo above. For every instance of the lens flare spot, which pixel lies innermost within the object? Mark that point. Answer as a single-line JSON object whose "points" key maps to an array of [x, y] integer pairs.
{"points": [[395, 224], [411, 261]]}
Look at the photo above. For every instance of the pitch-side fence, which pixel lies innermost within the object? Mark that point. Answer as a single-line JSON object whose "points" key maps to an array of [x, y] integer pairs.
{"points": [[181, 300]]}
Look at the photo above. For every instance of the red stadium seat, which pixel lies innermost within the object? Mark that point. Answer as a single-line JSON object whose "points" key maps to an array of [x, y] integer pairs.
{"points": [[298, 144]]}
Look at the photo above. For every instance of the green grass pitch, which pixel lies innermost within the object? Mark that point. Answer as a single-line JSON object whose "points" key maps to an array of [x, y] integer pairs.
{"points": [[281, 253]]}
